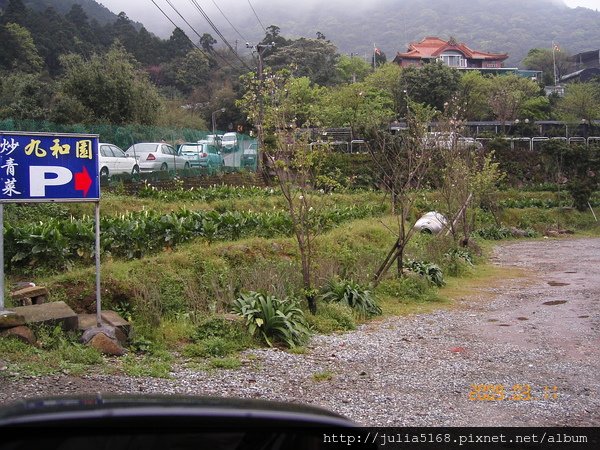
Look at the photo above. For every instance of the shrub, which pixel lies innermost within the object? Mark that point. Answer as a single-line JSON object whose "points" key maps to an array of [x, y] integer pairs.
{"points": [[212, 346], [272, 318], [219, 327], [457, 261], [409, 288], [225, 363], [430, 271], [332, 317], [352, 294]]}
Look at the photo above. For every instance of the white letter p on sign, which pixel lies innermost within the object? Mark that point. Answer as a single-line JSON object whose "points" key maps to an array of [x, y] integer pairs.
{"points": [[38, 180]]}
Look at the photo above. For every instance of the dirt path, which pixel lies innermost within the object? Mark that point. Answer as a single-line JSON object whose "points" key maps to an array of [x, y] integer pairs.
{"points": [[535, 340]]}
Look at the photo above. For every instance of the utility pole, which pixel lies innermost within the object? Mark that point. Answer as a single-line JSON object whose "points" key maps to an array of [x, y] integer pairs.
{"points": [[260, 49]]}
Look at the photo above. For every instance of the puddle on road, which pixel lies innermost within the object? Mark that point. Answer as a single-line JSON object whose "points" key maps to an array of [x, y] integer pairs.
{"points": [[554, 302], [522, 318], [583, 317], [493, 320], [571, 271], [504, 325], [558, 283]]}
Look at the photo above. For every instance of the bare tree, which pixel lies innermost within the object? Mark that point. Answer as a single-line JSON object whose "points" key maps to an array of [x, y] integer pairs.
{"points": [[403, 161], [296, 165]]}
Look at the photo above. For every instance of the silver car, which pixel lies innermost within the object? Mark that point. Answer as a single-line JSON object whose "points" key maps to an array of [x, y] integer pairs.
{"points": [[157, 156], [114, 161]]}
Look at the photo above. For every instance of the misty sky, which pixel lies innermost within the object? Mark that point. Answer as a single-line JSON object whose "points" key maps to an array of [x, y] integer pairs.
{"points": [[145, 11]]}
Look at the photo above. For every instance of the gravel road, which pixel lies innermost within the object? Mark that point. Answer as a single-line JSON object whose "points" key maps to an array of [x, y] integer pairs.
{"points": [[536, 337]]}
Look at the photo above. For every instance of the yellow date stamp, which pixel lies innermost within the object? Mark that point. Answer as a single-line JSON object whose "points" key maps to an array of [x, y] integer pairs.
{"points": [[514, 393]]}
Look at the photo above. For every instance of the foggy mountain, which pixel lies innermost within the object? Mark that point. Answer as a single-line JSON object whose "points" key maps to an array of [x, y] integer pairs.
{"points": [[354, 26]]}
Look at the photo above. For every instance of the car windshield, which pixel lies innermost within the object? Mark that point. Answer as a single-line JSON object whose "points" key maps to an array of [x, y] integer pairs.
{"points": [[191, 149], [142, 148]]}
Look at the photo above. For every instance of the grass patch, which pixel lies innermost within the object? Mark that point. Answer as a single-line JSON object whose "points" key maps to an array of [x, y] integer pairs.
{"points": [[325, 375], [408, 295], [225, 363], [331, 318], [146, 366], [58, 352], [212, 346]]}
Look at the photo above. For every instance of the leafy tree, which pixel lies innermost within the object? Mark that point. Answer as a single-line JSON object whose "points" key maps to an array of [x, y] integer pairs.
{"points": [[148, 48], [388, 79], [24, 96], [312, 58], [508, 94], [273, 37], [351, 69], [433, 84], [474, 94], [111, 88], [357, 106], [581, 101], [23, 54], [192, 71], [207, 42], [178, 45], [535, 108], [543, 59]]}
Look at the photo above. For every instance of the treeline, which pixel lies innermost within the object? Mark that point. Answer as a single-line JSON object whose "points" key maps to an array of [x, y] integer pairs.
{"points": [[72, 70]]}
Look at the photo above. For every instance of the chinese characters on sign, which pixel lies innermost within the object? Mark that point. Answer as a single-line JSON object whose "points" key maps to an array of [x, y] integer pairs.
{"points": [[48, 167]]}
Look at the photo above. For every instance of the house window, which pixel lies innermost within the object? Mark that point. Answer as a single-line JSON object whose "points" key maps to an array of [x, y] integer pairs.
{"points": [[453, 59]]}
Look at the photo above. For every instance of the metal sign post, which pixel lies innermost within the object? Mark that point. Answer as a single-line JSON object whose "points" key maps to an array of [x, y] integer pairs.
{"points": [[49, 167]]}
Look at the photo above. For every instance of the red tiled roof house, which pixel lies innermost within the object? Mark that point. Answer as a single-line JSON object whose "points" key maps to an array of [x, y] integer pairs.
{"points": [[451, 53]]}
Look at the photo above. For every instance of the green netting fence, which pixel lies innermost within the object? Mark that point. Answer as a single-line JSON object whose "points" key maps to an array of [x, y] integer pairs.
{"points": [[239, 157]]}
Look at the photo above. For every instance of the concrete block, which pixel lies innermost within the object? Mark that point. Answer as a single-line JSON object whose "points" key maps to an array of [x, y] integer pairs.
{"points": [[54, 313], [30, 295]]}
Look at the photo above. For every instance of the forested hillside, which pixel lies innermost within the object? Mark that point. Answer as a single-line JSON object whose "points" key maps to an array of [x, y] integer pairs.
{"points": [[507, 26], [94, 10]]}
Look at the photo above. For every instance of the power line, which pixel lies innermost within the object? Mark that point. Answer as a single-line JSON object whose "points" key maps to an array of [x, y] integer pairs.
{"points": [[214, 27], [223, 14], [197, 34], [176, 26], [256, 15]]}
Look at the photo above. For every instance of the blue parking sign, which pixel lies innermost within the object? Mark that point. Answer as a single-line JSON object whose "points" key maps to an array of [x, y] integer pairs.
{"points": [[48, 167]]}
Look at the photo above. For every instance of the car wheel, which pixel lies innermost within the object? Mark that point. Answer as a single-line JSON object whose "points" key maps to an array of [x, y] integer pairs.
{"points": [[135, 170], [104, 172], [164, 167]]}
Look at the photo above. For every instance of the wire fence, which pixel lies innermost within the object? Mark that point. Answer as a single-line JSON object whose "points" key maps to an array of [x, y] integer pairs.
{"points": [[241, 151]]}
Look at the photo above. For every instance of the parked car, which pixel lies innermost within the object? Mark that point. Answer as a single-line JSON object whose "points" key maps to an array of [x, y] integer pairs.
{"points": [[432, 223], [249, 156], [112, 161], [229, 142], [155, 156], [201, 154], [214, 139]]}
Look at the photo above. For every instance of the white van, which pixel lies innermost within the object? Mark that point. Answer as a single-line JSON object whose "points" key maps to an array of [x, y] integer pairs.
{"points": [[229, 143]]}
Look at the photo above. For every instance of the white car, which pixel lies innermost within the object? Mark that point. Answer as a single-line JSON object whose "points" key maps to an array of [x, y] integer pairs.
{"points": [[229, 143], [157, 156], [432, 223], [113, 161]]}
